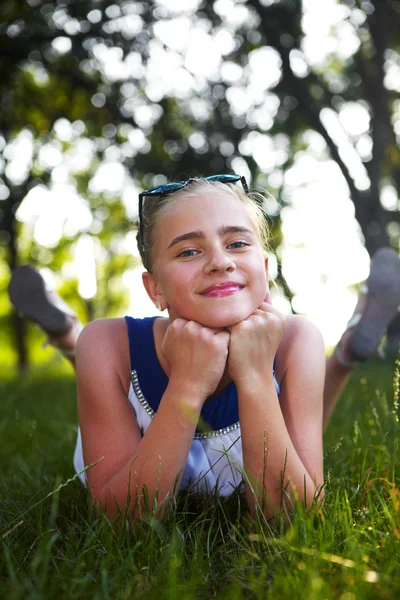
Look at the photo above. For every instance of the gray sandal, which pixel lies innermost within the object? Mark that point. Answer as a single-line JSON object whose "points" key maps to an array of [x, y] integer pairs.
{"points": [[33, 299], [382, 290]]}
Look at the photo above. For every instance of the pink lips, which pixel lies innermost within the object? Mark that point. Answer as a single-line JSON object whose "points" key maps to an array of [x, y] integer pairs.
{"points": [[222, 289]]}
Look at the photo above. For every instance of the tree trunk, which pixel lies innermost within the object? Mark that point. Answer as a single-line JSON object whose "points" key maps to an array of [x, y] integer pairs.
{"points": [[18, 323]]}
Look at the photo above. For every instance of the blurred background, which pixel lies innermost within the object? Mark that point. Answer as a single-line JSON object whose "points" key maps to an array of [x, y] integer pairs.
{"points": [[101, 99]]}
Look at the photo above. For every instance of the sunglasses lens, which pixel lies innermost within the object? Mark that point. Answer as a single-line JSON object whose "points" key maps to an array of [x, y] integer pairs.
{"points": [[223, 178], [163, 189]]}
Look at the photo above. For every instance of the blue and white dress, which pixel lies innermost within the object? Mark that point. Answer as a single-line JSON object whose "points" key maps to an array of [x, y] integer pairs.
{"points": [[215, 460]]}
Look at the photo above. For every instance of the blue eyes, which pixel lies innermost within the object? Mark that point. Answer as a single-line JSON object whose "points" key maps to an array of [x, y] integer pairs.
{"points": [[238, 244], [193, 252], [187, 253]]}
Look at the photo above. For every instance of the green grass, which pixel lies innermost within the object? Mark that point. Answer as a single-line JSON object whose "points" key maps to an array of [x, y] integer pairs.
{"points": [[57, 549]]}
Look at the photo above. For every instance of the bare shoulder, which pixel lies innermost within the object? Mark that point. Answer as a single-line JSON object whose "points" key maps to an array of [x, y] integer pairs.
{"points": [[104, 344], [302, 341], [105, 328]]}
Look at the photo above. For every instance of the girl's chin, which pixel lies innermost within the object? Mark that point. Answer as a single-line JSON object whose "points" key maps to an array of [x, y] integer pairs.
{"points": [[219, 321]]}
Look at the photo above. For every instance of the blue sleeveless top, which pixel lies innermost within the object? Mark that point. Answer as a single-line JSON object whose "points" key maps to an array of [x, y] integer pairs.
{"points": [[218, 413]]}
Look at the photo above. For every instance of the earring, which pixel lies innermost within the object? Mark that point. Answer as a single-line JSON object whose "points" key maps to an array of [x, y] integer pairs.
{"points": [[158, 303]]}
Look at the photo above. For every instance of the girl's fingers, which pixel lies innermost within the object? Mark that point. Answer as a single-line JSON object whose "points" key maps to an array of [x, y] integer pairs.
{"points": [[267, 307], [268, 297], [224, 334], [179, 324]]}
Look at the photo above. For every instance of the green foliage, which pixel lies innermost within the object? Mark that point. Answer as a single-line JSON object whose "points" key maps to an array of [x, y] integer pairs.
{"points": [[52, 545]]}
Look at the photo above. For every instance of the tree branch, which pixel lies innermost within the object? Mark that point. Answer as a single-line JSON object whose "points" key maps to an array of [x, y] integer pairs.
{"points": [[300, 89]]}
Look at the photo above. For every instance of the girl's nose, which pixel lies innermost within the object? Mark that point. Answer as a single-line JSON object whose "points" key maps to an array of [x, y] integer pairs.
{"points": [[219, 260]]}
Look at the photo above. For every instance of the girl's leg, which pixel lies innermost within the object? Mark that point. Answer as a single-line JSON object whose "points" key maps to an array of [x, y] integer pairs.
{"points": [[66, 343], [336, 376], [377, 305], [31, 297]]}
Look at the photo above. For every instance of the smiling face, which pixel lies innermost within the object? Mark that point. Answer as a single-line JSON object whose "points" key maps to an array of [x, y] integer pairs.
{"points": [[209, 264]]}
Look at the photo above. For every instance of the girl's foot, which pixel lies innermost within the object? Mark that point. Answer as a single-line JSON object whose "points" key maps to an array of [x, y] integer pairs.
{"points": [[30, 296], [377, 305]]}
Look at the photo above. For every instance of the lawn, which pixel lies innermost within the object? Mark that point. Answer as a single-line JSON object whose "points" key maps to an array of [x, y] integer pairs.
{"points": [[53, 547]]}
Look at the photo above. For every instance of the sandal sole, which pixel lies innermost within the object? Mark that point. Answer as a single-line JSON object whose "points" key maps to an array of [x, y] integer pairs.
{"points": [[27, 293], [382, 304]]}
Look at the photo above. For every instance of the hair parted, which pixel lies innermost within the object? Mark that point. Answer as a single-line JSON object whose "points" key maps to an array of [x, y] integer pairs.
{"points": [[153, 208]]}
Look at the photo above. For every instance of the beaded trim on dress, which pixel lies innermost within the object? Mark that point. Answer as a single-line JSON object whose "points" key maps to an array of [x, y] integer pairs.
{"points": [[150, 411]]}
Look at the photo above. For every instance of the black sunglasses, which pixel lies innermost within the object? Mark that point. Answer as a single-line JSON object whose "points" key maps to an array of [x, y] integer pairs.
{"points": [[170, 188]]}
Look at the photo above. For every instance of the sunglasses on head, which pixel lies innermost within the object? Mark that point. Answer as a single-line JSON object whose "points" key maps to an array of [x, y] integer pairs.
{"points": [[170, 188]]}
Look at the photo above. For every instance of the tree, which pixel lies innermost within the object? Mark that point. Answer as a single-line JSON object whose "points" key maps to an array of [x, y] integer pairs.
{"points": [[49, 106]]}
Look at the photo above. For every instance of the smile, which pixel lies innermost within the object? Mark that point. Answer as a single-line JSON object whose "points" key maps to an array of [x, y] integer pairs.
{"points": [[221, 290]]}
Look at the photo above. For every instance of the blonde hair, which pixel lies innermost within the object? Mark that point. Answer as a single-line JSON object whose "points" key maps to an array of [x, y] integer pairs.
{"points": [[153, 207]]}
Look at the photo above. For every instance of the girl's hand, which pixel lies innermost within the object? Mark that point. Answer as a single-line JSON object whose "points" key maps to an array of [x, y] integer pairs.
{"points": [[196, 356], [268, 297], [253, 344]]}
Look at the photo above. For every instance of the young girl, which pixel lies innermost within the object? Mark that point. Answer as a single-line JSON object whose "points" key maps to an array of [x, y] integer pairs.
{"points": [[223, 391]]}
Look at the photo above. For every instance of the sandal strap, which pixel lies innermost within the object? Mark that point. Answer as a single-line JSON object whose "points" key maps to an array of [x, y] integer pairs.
{"points": [[341, 359], [355, 319]]}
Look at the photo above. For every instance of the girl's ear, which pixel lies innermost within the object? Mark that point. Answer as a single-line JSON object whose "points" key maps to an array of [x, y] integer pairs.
{"points": [[153, 291], [266, 268]]}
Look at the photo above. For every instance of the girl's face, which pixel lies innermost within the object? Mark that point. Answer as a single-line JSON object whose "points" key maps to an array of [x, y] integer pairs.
{"points": [[209, 264]]}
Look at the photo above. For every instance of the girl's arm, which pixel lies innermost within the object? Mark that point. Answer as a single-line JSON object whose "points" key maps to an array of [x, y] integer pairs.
{"points": [[108, 423], [281, 438]]}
